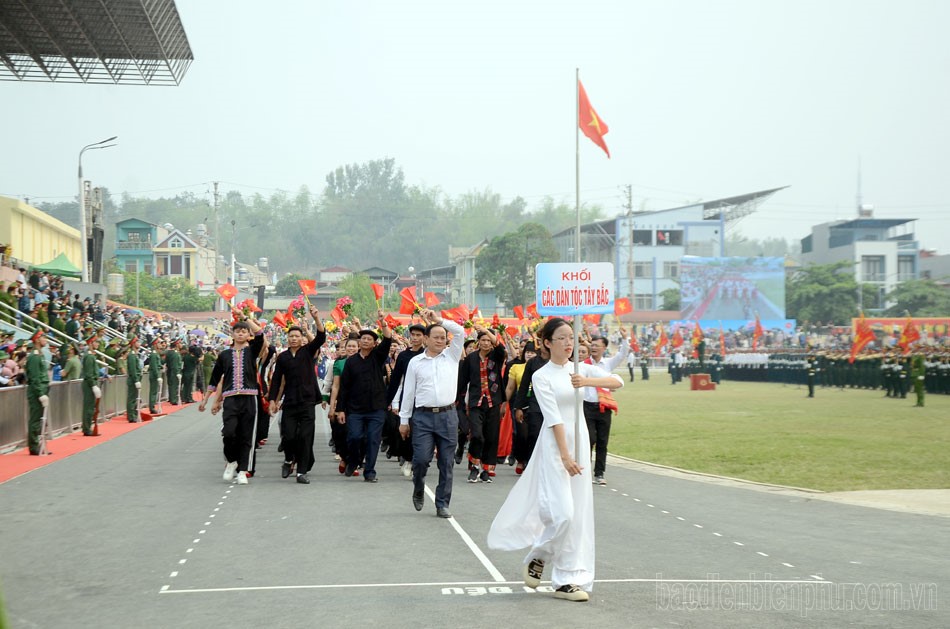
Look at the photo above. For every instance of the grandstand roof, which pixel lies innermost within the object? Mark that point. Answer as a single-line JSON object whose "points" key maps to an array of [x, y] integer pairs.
{"points": [[93, 41]]}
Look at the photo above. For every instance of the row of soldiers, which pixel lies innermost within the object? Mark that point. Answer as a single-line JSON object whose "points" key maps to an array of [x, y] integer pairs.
{"points": [[890, 370]]}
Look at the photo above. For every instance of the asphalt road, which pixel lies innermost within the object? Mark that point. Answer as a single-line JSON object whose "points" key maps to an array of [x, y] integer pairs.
{"points": [[142, 532]]}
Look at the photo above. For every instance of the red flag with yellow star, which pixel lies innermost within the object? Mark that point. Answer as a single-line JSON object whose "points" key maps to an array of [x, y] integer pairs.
{"points": [[590, 123], [622, 306]]}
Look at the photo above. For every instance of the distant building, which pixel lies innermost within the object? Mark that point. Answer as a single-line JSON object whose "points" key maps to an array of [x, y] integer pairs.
{"points": [[645, 247], [884, 251], [333, 274], [134, 240], [31, 236], [934, 267]]}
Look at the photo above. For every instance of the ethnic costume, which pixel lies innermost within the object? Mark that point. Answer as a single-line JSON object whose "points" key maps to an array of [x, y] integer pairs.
{"points": [[235, 375]]}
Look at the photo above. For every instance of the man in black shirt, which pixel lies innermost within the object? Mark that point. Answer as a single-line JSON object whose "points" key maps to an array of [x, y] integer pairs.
{"points": [[361, 401], [398, 445], [480, 375], [296, 380]]}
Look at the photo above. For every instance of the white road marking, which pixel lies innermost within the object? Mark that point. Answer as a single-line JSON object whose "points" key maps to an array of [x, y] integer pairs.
{"points": [[699, 526], [174, 574], [718, 534], [787, 565], [343, 586], [627, 495], [636, 500], [680, 519], [195, 541], [759, 552], [190, 550], [164, 588], [738, 543], [207, 523], [649, 505], [666, 512], [181, 561], [202, 532], [817, 576], [492, 570]]}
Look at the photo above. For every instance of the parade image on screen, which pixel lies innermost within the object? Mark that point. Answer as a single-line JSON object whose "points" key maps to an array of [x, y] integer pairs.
{"points": [[732, 288]]}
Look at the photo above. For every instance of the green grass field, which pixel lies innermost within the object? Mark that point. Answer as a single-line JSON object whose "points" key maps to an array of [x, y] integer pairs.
{"points": [[837, 441]]}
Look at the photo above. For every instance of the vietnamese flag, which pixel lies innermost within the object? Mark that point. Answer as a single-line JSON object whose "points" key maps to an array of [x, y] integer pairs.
{"points": [[227, 292], [462, 312], [593, 319], [634, 344], [757, 333], [697, 334], [391, 322], [377, 291], [660, 342], [863, 335], [722, 341], [677, 339], [407, 307], [533, 310], [622, 306], [308, 287], [337, 314], [909, 335], [449, 314], [430, 299], [519, 312], [278, 320], [589, 122]]}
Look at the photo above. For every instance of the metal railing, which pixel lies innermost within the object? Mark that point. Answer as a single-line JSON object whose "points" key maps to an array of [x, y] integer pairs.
{"points": [[56, 337], [65, 408]]}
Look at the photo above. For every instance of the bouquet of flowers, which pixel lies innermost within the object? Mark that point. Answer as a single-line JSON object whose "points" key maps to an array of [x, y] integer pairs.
{"points": [[244, 310], [400, 330], [298, 307], [497, 325], [468, 324], [330, 326], [345, 304], [535, 326]]}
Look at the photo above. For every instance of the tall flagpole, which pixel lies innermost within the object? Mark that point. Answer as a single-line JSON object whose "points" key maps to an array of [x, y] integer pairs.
{"points": [[577, 257]]}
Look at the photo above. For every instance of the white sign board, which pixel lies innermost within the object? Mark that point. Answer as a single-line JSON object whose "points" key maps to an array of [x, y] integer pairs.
{"points": [[568, 289]]}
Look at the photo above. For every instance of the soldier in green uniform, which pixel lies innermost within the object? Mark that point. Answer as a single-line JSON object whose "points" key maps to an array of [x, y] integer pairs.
{"points": [[173, 370], [37, 390], [207, 364], [134, 382], [189, 367], [112, 351], [917, 372], [90, 384], [155, 374]]}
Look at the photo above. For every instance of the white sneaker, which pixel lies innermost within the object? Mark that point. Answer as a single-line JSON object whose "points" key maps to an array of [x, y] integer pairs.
{"points": [[407, 469], [229, 471], [242, 478]]}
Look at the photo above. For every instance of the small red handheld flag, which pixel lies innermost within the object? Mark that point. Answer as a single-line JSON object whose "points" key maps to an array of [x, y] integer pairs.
{"points": [[308, 287], [377, 291]]}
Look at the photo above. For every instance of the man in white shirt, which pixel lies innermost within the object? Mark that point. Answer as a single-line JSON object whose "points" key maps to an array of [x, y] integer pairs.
{"points": [[598, 419], [428, 398]]}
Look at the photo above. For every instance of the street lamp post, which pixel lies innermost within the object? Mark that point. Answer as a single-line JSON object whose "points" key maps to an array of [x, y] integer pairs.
{"points": [[84, 243]]}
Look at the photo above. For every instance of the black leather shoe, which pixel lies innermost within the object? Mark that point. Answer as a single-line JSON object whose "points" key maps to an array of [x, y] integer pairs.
{"points": [[458, 458], [349, 471], [285, 470], [443, 512], [418, 499], [302, 479]]}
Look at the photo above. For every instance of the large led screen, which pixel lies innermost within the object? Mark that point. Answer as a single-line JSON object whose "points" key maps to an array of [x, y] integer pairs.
{"points": [[732, 288]]}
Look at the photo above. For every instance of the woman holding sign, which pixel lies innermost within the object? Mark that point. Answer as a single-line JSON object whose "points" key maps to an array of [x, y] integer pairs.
{"points": [[550, 510]]}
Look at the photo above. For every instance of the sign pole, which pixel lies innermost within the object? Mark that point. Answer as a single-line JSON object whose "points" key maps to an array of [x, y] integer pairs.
{"points": [[578, 407]]}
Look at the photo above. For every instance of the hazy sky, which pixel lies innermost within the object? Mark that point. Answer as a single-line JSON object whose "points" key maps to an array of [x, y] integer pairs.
{"points": [[704, 99]]}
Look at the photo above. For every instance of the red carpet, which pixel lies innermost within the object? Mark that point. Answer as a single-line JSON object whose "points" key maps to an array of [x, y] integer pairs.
{"points": [[20, 462]]}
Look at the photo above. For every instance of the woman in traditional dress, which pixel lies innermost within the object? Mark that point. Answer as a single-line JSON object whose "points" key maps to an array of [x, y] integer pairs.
{"points": [[550, 510]]}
